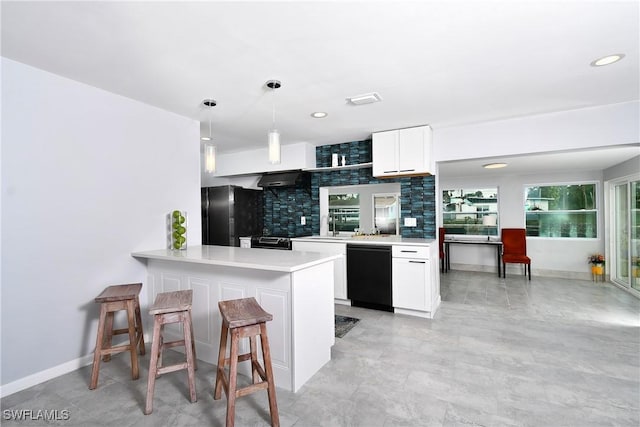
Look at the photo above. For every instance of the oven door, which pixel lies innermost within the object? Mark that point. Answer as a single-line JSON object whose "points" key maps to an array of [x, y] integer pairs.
{"points": [[280, 243]]}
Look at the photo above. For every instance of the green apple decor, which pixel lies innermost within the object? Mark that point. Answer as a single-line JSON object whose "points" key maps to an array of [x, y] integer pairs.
{"points": [[178, 230]]}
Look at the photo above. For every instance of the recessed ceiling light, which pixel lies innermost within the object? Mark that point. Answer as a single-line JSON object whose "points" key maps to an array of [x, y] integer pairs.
{"points": [[319, 115], [494, 165], [367, 98], [606, 60]]}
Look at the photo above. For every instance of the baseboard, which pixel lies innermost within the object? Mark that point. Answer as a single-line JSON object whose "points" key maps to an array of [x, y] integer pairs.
{"points": [[53, 372], [46, 375], [517, 270]]}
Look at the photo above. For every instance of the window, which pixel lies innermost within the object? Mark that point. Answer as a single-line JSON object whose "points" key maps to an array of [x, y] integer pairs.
{"points": [[562, 211], [344, 211], [470, 211], [386, 213]]}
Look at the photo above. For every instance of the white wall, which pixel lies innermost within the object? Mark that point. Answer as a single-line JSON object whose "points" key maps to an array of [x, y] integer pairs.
{"points": [[628, 168], [554, 257], [567, 130], [294, 156], [87, 178], [583, 128]]}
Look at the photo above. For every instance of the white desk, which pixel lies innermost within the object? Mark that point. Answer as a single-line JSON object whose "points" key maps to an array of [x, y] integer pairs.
{"points": [[447, 250]]}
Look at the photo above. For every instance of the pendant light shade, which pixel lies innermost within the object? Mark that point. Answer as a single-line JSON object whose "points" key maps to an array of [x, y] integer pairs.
{"points": [[274, 147], [210, 158], [209, 148], [274, 135]]}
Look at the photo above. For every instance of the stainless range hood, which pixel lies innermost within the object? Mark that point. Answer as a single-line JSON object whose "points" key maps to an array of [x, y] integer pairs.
{"points": [[284, 179]]}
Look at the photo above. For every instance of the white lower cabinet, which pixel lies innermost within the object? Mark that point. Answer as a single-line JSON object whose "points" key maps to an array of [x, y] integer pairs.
{"points": [[410, 288], [339, 265], [415, 280], [412, 280]]}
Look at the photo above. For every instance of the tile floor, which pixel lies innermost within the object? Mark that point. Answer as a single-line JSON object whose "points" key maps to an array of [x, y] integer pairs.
{"points": [[550, 352]]}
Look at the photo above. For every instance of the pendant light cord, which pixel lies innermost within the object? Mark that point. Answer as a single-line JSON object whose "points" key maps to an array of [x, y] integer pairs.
{"points": [[273, 106]]}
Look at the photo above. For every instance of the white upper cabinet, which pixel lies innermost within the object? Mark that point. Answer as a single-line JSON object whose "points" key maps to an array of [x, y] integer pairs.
{"points": [[402, 152]]}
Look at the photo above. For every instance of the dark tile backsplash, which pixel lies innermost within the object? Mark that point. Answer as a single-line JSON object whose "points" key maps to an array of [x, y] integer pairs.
{"points": [[284, 207], [355, 153]]}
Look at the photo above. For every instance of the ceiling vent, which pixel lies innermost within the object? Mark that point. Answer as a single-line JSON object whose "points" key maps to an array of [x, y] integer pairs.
{"points": [[367, 98]]}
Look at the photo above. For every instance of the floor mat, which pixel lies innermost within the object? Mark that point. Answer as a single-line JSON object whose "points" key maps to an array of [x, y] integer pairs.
{"points": [[344, 324]]}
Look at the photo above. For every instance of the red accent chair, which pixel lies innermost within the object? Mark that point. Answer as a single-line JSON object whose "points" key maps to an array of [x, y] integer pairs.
{"points": [[514, 249], [443, 263]]}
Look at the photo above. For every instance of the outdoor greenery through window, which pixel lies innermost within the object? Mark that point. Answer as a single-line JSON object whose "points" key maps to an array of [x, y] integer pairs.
{"points": [[562, 211], [344, 211], [470, 211]]}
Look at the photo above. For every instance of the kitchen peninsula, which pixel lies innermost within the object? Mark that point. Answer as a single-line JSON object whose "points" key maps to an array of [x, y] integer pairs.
{"points": [[295, 287]]}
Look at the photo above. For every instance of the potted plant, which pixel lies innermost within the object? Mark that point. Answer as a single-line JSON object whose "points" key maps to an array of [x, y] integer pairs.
{"points": [[597, 264], [635, 266]]}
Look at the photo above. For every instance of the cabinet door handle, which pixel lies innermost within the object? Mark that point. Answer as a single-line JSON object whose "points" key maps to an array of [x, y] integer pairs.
{"points": [[389, 171], [407, 170], [418, 262], [409, 252]]}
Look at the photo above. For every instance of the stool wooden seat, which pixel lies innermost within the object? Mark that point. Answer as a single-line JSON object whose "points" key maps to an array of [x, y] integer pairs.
{"points": [[171, 307], [115, 298], [244, 318]]}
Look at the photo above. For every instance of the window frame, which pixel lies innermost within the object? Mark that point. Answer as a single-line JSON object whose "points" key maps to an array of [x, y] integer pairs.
{"points": [[333, 218], [597, 209], [497, 227], [398, 211]]}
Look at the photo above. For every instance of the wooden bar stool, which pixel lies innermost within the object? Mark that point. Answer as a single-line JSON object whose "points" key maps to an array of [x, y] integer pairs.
{"points": [[115, 298], [244, 318], [171, 307]]}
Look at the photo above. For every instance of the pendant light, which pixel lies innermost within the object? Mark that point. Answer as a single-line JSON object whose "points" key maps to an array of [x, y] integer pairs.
{"points": [[274, 135], [209, 148]]}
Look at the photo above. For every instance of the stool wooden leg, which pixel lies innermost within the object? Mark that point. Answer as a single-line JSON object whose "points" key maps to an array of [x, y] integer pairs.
{"points": [[97, 352], [153, 365], [108, 335], [193, 342], [253, 343], [133, 343], [233, 376], [160, 347], [188, 349], [221, 356], [139, 332], [271, 388]]}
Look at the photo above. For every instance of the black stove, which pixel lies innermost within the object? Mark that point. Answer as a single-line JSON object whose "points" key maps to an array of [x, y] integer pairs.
{"points": [[271, 242]]}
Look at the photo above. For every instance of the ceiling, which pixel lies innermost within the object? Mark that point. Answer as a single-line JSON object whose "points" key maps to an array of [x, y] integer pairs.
{"points": [[443, 63], [540, 164]]}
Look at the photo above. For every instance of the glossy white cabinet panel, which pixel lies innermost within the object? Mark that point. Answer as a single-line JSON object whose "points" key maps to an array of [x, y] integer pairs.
{"points": [[403, 152], [339, 265]]}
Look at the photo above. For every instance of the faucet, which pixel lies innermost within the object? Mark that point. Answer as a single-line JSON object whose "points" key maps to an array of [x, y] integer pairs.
{"points": [[332, 218]]}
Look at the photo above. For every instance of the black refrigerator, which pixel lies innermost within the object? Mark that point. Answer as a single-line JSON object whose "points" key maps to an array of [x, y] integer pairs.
{"points": [[230, 212]]}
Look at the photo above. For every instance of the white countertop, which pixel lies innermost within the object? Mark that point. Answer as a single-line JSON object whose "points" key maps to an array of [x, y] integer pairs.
{"points": [[368, 240], [229, 256]]}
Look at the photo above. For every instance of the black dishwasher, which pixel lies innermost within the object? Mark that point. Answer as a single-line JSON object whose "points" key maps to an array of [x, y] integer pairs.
{"points": [[369, 276]]}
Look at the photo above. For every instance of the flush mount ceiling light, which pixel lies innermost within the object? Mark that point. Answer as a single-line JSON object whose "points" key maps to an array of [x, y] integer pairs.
{"points": [[274, 135], [494, 165], [606, 60], [209, 148], [367, 98], [319, 115]]}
